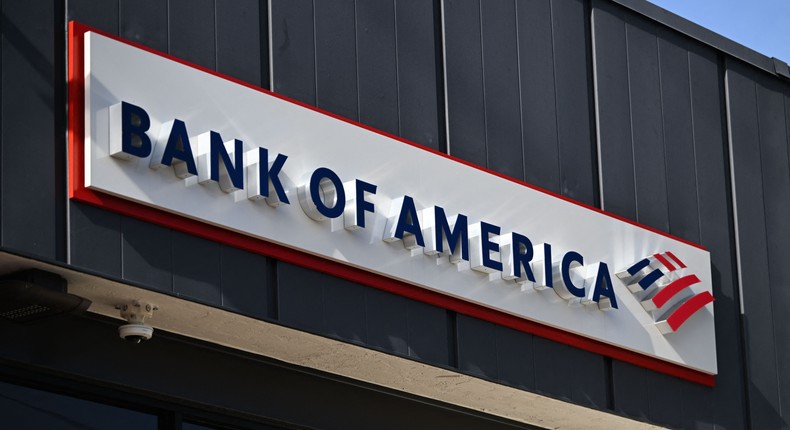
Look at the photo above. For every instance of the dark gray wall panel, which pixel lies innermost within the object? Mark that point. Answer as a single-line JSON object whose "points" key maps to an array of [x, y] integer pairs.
{"points": [[405, 327], [540, 133], [344, 310], [430, 337], [678, 121], [776, 179], [245, 280], [665, 400], [336, 57], [377, 64], [419, 81], [500, 79], [515, 360], [293, 49], [320, 303], [665, 405], [335, 307], [538, 95], [242, 40], [373, 62], [191, 31], [572, 66], [102, 15], [539, 48], [466, 119], [300, 295], [760, 135], [678, 170], [477, 347], [145, 22], [230, 36], [778, 248], [146, 254], [387, 321], [629, 388], [95, 239], [613, 103], [196, 268], [32, 174], [717, 235], [750, 210], [495, 352], [566, 372], [646, 120]]}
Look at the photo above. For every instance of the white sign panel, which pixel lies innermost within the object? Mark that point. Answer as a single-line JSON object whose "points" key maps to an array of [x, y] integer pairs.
{"points": [[170, 136]]}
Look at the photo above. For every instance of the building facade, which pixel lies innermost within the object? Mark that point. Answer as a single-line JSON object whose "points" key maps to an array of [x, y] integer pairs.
{"points": [[614, 104]]}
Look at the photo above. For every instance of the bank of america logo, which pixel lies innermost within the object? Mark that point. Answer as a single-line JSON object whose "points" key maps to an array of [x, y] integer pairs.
{"points": [[661, 284]]}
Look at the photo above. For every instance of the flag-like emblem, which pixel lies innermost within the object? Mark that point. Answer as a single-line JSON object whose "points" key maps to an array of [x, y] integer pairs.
{"points": [[661, 284]]}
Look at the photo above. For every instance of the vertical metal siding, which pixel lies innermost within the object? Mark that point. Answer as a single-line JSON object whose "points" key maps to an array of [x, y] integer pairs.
{"points": [[518, 96], [338, 308], [293, 49], [190, 31], [145, 22], [242, 40], [574, 93], [32, 160], [499, 49], [373, 62], [519, 93], [758, 133], [335, 57], [716, 234], [197, 269], [420, 87], [664, 163], [463, 52], [377, 65]]}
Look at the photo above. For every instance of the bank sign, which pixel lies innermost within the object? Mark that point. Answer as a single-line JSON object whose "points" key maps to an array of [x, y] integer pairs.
{"points": [[197, 146]]}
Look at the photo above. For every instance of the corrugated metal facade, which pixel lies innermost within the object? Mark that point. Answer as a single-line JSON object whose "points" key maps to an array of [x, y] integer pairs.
{"points": [[586, 98]]}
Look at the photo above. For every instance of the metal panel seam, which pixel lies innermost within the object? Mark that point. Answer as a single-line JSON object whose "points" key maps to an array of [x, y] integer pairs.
{"points": [[663, 125], [520, 100], [631, 117], [483, 74], [556, 106], [733, 190], [597, 107], [444, 74]]}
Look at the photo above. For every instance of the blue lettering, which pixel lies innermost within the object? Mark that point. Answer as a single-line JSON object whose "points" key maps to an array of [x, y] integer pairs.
{"points": [[229, 175], [134, 123], [325, 184], [177, 151], [567, 261], [522, 255], [408, 221], [362, 204], [603, 287], [459, 234], [271, 175], [488, 246]]}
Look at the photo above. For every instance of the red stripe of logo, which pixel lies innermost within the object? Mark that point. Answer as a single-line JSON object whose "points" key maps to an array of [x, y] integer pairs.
{"points": [[664, 261], [676, 260], [688, 309], [666, 293]]}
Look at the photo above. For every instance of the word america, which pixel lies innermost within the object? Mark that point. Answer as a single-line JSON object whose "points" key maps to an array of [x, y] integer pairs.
{"points": [[324, 197]]}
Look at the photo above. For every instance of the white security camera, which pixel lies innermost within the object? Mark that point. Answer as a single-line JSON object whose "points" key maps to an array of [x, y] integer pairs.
{"points": [[135, 312], [135, 332]]}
